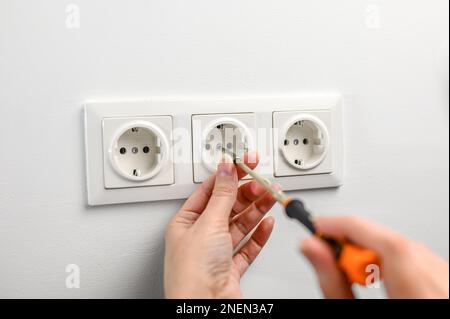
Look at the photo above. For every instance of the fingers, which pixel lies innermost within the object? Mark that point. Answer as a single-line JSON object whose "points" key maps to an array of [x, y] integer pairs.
{"points": [[248, 253], [251, 159], [332, 281], [223, 194], [360, 231], [243, 223], [247, 194], [199, 199]]}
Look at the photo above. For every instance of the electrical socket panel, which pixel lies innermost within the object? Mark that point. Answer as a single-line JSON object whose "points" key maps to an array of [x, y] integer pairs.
{"points": [[161, 149], [210, 132]]}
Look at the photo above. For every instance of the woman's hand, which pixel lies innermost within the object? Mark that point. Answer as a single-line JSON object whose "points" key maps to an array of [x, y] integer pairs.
{"points": [[202, 236], [409, 269]]}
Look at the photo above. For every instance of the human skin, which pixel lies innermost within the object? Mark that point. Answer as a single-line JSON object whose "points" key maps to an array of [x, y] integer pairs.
{"points": [[409, 269], [201, 239]]}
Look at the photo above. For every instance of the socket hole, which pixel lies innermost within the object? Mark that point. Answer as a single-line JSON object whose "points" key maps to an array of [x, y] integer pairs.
{"points": [[286, 142], [123, 150], [136, 172], [305, 141], [208, 147], [146, 149], [298, 162]]}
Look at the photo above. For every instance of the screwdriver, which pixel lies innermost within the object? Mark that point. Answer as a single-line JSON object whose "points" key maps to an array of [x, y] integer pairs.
{"points": [[351, 259]]}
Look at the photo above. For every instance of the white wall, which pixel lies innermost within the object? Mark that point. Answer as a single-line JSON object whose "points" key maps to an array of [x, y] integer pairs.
{"points": [[395, 79]]}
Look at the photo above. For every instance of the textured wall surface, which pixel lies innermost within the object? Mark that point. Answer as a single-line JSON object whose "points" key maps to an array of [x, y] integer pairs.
{"points": [[389, 59]]}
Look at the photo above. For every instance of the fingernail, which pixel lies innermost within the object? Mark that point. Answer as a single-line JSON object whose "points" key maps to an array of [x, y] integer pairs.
{"points": [[225, 169]]}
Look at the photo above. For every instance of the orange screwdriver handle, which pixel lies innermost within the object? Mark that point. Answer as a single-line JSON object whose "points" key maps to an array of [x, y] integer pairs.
{"points": [[354, 262]]}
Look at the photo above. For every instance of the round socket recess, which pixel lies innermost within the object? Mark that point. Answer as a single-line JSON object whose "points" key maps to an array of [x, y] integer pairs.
{"points": [[306, 141], [138, 150], [228, 133]]}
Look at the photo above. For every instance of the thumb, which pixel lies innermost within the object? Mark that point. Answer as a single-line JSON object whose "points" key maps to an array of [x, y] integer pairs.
{"points": [[332, 281], [223, 194]]}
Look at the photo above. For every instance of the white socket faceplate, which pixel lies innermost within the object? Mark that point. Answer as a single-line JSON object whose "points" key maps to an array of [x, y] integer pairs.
{"points": [[137, 151], [235, 132], [302, 145], [184, 169], [306, 142]]}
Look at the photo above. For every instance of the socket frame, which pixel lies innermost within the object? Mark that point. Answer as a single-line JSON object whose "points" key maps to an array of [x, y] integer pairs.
{"points": [[181, 111]]}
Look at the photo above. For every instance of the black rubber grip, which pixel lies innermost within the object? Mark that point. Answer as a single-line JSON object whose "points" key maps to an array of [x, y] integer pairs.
{"points": [[296, 209]]}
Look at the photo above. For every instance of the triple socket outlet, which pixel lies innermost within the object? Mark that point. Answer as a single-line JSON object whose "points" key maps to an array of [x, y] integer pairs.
{"points": [[162, 149]]}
